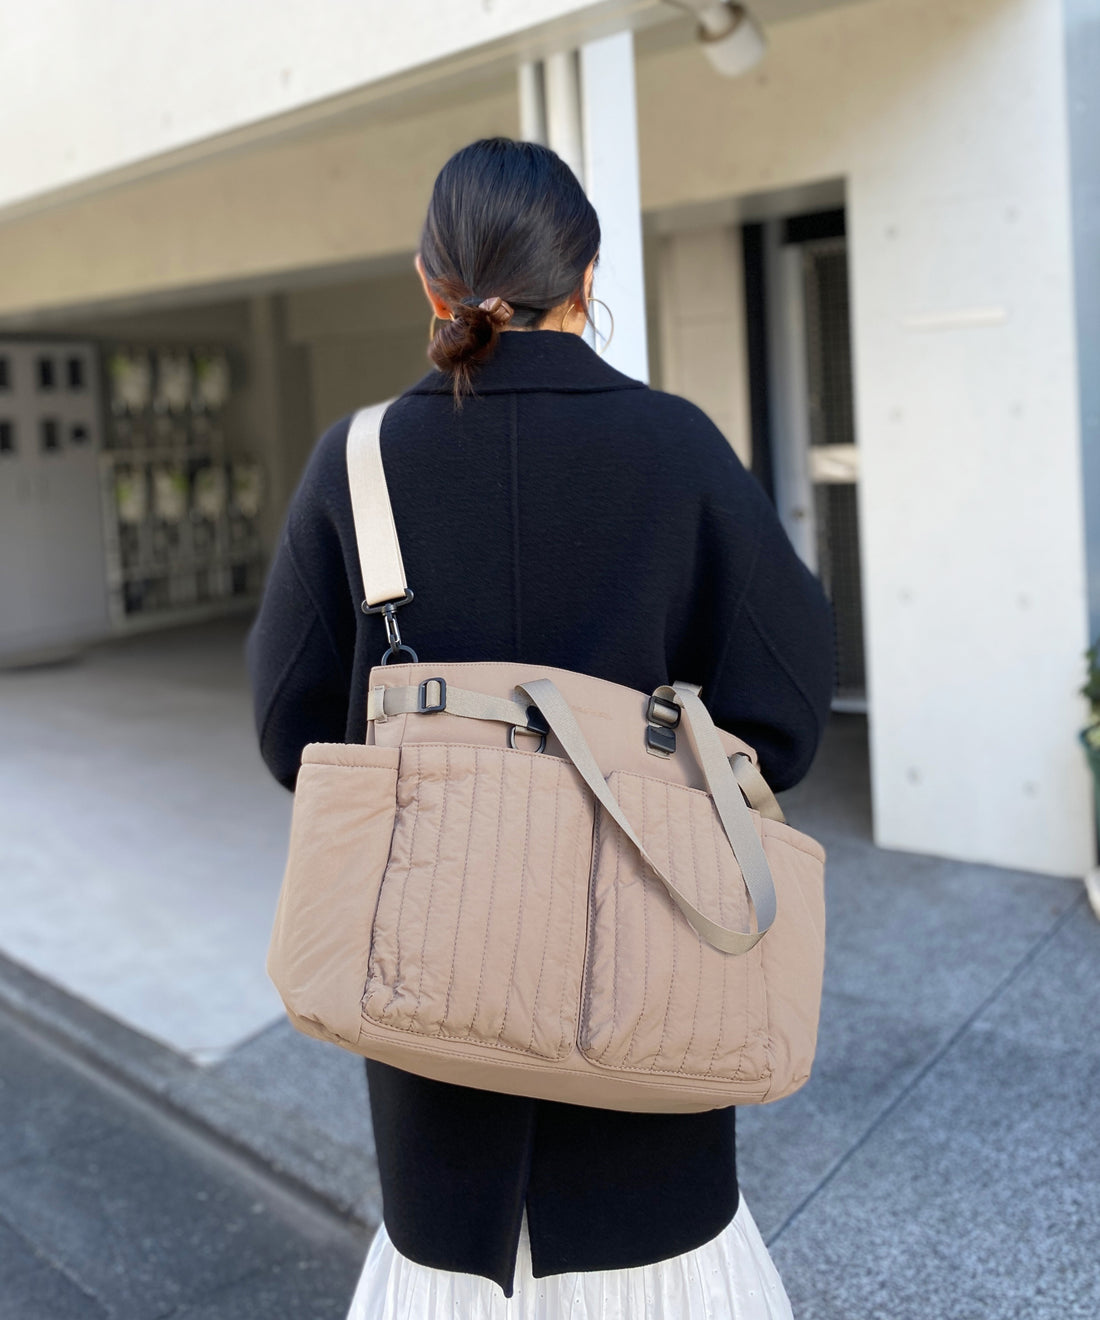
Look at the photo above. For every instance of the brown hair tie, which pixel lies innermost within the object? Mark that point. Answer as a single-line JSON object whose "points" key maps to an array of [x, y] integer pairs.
{"points": [[499, 311]]}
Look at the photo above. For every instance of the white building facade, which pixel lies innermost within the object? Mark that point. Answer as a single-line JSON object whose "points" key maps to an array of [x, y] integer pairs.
{"points": [[871, 258]]}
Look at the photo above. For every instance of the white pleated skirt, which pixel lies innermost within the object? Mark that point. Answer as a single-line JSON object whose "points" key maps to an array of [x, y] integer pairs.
{"points": [[731, 1277]]}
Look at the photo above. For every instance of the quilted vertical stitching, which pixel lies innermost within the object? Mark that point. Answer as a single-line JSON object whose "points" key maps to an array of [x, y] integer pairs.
{"points": [[549, 902], [615, 956], [628, 1050], [590, 928], [578, 817], [769, 1047], [492, 893], [404, 889], [520, 906], [372, 968], [462, 890], [372, 956], [672, 978], [697, 872], [431, 882], [725, 971]]}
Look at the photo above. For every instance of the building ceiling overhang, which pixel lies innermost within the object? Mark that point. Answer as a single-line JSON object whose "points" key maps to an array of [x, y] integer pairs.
{"points": [[398, 88]]}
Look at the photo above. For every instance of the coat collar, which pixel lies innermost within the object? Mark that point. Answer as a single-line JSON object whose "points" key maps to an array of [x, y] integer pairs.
{"points": [[529, 361]]}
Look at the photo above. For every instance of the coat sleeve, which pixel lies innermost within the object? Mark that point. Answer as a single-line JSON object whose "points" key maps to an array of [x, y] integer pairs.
{"points": [[767, 663], [774, 681], [300, 648]]}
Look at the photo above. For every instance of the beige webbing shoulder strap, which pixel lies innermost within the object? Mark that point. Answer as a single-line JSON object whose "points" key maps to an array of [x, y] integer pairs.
{"points": [[375, 531]]}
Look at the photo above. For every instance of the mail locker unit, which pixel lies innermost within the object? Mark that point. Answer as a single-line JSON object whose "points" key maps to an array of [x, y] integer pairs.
{"points": [[181, 498]]}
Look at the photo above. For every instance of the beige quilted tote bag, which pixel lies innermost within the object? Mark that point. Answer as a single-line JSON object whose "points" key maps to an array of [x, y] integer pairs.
{"points": [[537, 882]]}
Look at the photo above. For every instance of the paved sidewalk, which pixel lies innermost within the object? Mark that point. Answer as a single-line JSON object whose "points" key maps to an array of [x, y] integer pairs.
{"points": [[109, 1209], [143, 839], [942, 1161]]}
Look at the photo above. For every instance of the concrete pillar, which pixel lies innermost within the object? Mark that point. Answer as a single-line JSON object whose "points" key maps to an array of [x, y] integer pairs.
{"points": [[532, 102], [280, 426], [563, 109], [610, 128], [582, 104]]}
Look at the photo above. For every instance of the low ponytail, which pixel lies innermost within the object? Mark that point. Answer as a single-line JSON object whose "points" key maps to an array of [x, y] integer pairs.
{"points": [[508, 235], [461, 344]]}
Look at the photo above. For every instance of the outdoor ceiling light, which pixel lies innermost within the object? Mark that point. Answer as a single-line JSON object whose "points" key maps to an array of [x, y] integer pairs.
{"points": [[732, 39]]}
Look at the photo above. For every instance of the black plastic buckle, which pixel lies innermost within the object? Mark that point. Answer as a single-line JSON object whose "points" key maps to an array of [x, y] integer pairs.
{"points": [[536, 720], [423, 705], [659, 740]]}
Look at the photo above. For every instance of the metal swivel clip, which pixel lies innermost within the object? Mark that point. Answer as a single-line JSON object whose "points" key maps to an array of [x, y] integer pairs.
{"points": [[393, 632]]}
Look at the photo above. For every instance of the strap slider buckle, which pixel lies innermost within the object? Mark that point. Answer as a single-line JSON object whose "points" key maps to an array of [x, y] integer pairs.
{"points": [[659, 710], [662, 718], [426, 707]]}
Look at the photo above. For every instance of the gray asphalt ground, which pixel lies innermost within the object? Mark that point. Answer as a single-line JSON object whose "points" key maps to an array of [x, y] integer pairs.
{"points": [[111, 1207]]}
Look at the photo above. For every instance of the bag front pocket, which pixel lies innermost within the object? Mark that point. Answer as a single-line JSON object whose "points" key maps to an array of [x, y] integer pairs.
{"points": [[340, 833], [657, 997], [479, 930]]}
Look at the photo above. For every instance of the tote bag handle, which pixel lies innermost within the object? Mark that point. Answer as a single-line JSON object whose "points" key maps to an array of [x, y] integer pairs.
{"points": [[732, 811]]}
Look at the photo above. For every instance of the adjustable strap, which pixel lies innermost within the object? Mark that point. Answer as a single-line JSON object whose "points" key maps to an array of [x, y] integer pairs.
{"points": [[375, 532], [732, 811], [434, 694]]}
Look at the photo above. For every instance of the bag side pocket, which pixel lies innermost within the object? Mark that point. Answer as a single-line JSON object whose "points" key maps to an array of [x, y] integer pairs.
{"points": [[479, 931], [340, 836], [658, 998]]}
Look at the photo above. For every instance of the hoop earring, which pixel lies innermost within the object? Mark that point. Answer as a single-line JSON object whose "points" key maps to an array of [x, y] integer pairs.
{"points": [[611, 314], [431, 329]]}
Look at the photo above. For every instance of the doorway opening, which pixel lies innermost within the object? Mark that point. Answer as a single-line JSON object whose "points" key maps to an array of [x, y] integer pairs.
{"points": [[804, 434], [760, 284]]}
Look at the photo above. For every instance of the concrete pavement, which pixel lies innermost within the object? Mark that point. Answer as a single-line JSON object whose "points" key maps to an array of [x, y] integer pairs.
{"points": [[110, 1207]]}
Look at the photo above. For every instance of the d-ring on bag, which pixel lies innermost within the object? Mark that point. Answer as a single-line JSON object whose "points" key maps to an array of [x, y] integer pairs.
{"points": [[537, 882]]}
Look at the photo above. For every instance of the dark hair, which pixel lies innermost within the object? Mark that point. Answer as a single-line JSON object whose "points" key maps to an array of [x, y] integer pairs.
{"points": [[506, 220]]}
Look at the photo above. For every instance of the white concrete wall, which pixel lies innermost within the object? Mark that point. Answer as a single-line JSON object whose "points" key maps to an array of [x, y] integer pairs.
{"points": [[366, 340], [99, 85], [948, 122], [1083, 70], [702, 318]]}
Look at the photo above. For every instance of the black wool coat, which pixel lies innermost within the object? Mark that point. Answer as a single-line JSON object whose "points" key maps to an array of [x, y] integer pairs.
{"points": [[568, 516]]}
